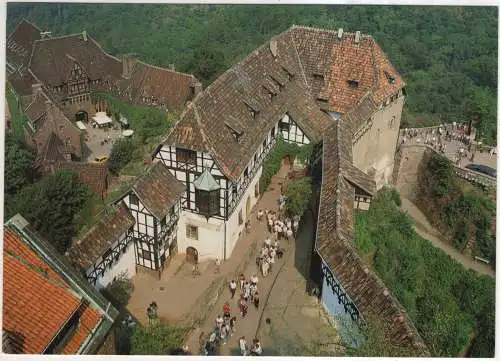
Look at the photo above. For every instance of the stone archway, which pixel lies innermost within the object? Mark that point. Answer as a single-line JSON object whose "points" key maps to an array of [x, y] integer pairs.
{"points": [[191, 255], [82, 116]]}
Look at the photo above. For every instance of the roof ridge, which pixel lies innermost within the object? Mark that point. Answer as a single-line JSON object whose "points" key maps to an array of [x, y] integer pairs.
{"points": [[328, 30], [102, 49], [165, 69], [108, 211]]}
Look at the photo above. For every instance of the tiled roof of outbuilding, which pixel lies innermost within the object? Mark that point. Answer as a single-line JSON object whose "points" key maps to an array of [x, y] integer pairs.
{"points": [[101, 237], [95, 175], [158, 190], [37, 302]]}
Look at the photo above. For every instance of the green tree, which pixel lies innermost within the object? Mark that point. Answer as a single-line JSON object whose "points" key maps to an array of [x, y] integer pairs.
{"points": [[298, 195], [156, 340], [51, 204], [121, 153], [119, 291], [481, 108], [19, 161]]}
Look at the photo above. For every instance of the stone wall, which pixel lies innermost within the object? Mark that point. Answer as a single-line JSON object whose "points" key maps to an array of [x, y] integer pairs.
{"points": [[410, 160]]}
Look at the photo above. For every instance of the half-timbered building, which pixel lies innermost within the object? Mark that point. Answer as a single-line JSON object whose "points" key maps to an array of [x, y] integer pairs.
{"points": [[107, 250], [154, 202]]}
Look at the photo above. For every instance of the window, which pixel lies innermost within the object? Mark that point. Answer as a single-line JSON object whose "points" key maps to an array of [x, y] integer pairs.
{"points": [[245, 173], [192, 232], [391, 123], [284, 127], [353, 84], [106, 254], [146, 254], [273, 132], [240, 217], [185, 155], [207, 202], [133, 199], [67, 332], [255, 158], [256, 189]]}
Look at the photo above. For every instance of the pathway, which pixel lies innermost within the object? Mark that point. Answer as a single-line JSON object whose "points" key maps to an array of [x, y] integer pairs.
{"points": [[427, 231]]}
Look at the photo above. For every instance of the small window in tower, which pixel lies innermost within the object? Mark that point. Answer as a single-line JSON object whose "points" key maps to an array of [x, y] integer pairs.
{"points": [[353, 84]]}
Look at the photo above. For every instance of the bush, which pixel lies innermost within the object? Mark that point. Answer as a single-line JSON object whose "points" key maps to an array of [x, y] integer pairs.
{"points": [[118, 292], [298, 195], [157, 340], [121, 154]]}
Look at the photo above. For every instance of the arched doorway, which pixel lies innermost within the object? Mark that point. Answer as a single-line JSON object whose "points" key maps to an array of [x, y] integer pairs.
{"points": [[191, 255], [82, 116], [248, 208], [287, 161]]}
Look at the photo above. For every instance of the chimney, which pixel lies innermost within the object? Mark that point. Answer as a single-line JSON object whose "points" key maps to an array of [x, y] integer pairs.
{"points": [[127, 66], [340, 33], [273, 46], [197, 88], [36, 88], [84, 34], [357, 38]]}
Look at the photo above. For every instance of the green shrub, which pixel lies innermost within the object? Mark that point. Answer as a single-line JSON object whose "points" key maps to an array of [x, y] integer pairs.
{"points": [[121, 154], [156, 340], [119, 291], [298, 195]]}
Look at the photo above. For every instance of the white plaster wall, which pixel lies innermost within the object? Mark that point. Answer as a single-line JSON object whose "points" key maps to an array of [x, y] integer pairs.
{"points": [[233, 228], [374, 151], [126, 263], [210, 235]]}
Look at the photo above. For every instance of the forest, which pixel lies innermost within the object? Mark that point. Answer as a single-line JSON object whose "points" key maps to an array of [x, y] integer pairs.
{"points": [[446, 55], [452, 308]]}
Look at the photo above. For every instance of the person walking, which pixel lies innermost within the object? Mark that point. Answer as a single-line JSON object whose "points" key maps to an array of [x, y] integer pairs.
{"points": [[242, 281], [243, 346], [232, 288], [256, 299], [232, 324]]}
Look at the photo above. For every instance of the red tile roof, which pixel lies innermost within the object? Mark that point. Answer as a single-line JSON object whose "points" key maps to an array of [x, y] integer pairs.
{"points": [[95, 175], [35, 304], [88, 320]]}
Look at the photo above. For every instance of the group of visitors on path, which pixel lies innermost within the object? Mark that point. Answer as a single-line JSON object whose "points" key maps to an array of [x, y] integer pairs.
{"points": [[279, 227]]}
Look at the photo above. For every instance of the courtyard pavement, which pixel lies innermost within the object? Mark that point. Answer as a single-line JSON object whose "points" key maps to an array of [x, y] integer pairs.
{"points": [[97, 135]]}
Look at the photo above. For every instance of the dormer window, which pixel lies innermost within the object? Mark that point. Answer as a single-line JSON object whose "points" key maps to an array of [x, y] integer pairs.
{"points": [[236, 133], [252, 108], [268, 93], [289, 74], [278, 84], [353, 84], [185, 155], [319, 79], [207, 194], [390, 78]]}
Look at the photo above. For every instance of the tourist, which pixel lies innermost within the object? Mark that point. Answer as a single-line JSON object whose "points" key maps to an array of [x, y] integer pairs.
{"points": [[232, 324], [219, 321], [260, 214], [267, 242], [232, 288], [264, 265], [226, 309], [278, 229], [224, 334], [242, 281], [289, 234], [256, 349], [296, 225], [243, 307], [246, 292], [254, 280], [243, 346], [256, 299]]}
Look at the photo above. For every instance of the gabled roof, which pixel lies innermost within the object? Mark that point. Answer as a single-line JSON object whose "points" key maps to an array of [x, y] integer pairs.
{"points": [[101, 237], [361, 111], [95, 175], [37, 302], [165, 86], [339, 61], [334, 243], [50, 63], [203, 124], [53, 150], [158, 190], [19, 43]]}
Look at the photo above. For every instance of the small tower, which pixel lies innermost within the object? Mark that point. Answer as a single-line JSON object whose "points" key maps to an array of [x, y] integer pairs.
{"points": [[207, 194]]}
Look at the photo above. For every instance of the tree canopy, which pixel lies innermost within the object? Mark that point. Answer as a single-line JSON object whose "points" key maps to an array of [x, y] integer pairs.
{"points": [[156, 340], [444, 53], [298, 195], [448, 304]]}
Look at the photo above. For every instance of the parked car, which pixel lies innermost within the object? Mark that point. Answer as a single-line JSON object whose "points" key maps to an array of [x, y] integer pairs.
{"points": [[482, 169]]}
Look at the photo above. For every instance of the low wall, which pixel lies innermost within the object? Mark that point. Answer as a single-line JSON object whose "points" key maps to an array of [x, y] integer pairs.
{"points": [[410, 160]]}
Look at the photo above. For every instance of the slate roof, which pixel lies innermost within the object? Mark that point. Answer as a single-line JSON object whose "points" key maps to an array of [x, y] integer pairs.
{"points": [[95, 175], [164, 86], [227, 103], [321, 66], [335, 232], [20, 41], [101, 237], [37, 302], [158, 190], [52, 65]]}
